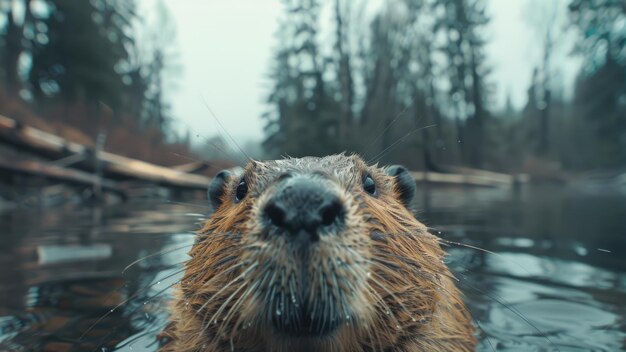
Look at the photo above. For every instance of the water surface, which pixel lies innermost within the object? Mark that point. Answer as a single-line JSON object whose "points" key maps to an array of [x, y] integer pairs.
{"points": [[550, 274]]}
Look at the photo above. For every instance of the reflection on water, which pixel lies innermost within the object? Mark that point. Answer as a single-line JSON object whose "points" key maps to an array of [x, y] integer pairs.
{"points": [[555, 274], [63, 286], [552, 277]]}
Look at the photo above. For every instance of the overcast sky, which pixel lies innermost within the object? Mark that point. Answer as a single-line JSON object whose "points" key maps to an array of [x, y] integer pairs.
{"points": [[225, 51]]}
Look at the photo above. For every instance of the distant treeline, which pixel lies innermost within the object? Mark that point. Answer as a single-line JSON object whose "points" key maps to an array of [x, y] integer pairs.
{"points": [[412, 84], [88, 67]]}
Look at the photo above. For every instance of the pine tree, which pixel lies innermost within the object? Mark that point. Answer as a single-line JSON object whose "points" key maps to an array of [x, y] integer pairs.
{"points": [[600, 97], [304, 119], [87, 47], [462, 22]]}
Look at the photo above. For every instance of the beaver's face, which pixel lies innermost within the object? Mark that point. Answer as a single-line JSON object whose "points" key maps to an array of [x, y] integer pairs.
{"points": [[301, 248]]}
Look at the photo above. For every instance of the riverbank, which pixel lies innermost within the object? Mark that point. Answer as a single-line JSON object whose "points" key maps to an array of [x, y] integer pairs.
{"points": [[38, 168]]}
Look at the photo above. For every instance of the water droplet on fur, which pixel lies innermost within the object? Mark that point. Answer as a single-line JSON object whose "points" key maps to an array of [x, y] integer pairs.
{"points": [[147, 316], [278, 312], [112, 310], [413, 320], [398, 327], [347, 317], [158, 283], [388, 312], [369, 274]]}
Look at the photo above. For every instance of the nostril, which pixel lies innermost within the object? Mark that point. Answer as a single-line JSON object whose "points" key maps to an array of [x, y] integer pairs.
{"points": [[331, 212], [276, 214]]}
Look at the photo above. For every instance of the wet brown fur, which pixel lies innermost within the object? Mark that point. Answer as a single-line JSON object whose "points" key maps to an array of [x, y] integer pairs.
{"points": [[401, 296]]}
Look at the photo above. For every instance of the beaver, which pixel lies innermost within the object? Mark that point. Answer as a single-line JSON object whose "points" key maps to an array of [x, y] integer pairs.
{"points": [[316, 254]]}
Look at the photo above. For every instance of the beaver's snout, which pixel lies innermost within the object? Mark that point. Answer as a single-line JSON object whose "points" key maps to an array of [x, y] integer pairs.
{"points": [[303, 207]]}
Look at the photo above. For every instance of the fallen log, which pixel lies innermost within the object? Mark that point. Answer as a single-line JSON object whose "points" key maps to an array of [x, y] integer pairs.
{"points": [[472, 179], [134, 168], [51, 171], [115, 166], [195, 166]]}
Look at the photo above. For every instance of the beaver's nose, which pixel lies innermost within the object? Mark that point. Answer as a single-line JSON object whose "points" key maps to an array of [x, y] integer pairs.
{"points": [[303, 205]]}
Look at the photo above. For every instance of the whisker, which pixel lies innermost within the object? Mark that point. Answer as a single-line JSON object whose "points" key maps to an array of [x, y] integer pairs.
{"points": [[139, 336], [234, 307], [105, 337], [206, 207], [384, 152], [226, 152], [166, 251], [512, 309], [486, 335], [395, 119], [207, 141], [221, 309], [224, 129], [225, 287], [460, 244], [133, 296], [375, 281], [391, 294], [190, 158], [241, 317]]}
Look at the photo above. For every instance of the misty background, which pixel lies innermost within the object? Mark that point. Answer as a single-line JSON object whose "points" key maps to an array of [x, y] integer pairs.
{"points": [[515, 86], [115, 114]]}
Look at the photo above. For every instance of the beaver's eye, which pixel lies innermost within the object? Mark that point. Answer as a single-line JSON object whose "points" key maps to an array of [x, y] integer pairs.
{"points": [[241, 191], [369, 185]]}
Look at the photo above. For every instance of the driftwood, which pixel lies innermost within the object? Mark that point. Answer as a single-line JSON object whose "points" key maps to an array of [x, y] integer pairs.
{"points": [[113, 166], [134, 168], [195, 166], [476, 178], [48, 170]]}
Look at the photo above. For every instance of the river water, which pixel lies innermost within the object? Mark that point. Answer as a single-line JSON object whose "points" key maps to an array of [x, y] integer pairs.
{"points": [[550, 274]]}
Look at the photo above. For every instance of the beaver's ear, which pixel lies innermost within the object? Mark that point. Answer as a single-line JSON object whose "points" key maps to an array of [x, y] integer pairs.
{"points": [[404, 183], [217, 187]]}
